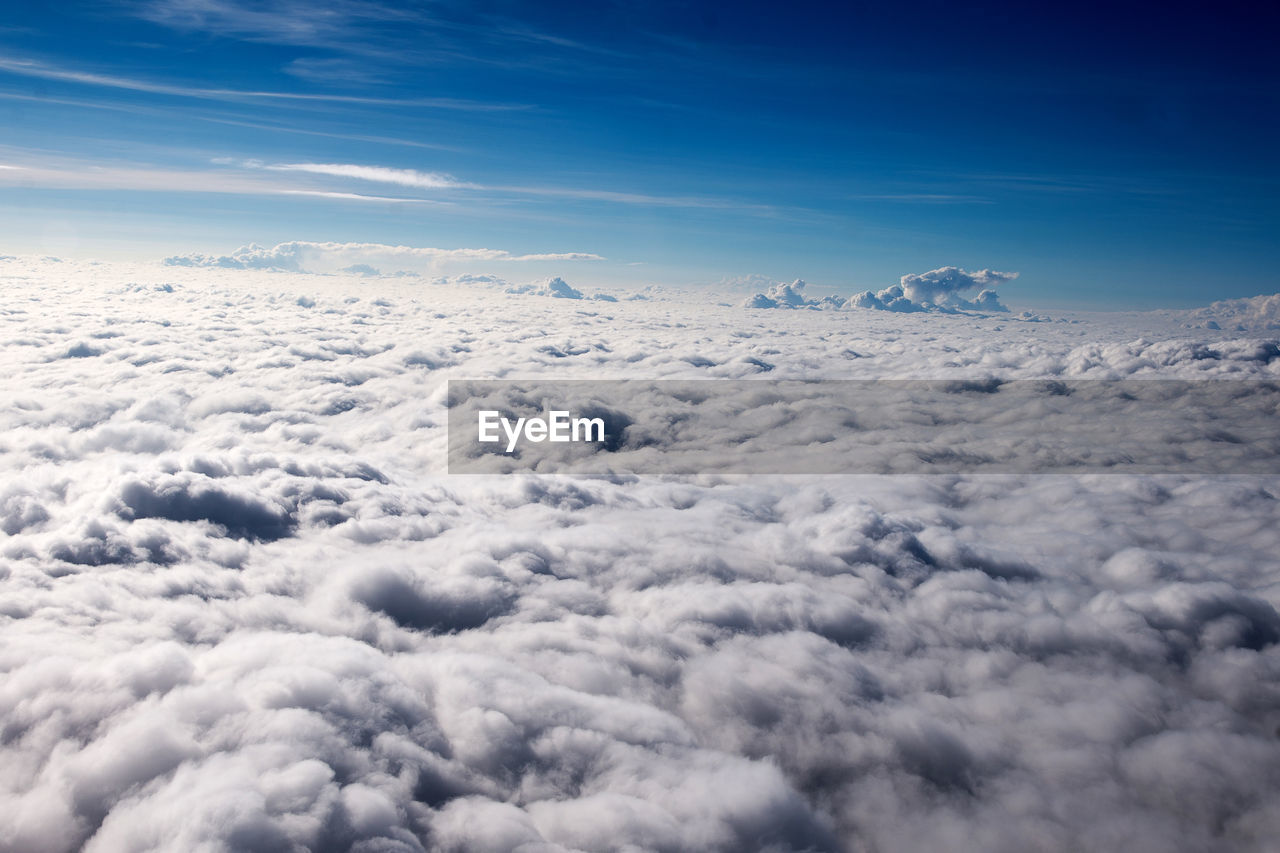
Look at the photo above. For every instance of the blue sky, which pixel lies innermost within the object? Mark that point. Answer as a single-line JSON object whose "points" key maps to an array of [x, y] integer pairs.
{"points": [[1115, 155]]}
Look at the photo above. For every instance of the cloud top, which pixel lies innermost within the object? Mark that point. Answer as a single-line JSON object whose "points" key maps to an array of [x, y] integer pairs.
{"points": [[941, 290], [1252, 314], [937, 291]]}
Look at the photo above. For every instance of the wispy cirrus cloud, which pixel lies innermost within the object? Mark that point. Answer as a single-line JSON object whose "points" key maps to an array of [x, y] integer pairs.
{"points": [[223, 119], [245, 177], [437, 180], [43, 71], [92, 175], [328, 25], [466, 33], [379, 174], [359, 197]]}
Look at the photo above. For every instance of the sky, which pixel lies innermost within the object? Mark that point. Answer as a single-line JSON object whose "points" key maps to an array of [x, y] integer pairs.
{"points": [[1115, 155]]}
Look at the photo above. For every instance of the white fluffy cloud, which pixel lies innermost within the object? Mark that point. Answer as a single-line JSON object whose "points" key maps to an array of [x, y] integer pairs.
{"points": [[936, 291], [242, 606], [556, 288], [783, 295]]}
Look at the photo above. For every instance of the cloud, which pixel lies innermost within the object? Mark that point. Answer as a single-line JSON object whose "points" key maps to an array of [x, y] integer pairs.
{"points": [[403, 177], [783, 295], [74, 174], [938, 290], [243, 606], [357, 197], [555, 287], [936, 286], [780, 295], [301, 256], [436, 180], [43, 71], [328, 70], [44, 171], [1254, 314]]}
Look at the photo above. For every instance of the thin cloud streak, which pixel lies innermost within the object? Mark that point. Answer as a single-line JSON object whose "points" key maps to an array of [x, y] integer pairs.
{"points": [[359, 197], [436, 180], [924, 198], [368, 30], [92, 177], [231, 122], [29, 68], [379, 174]]}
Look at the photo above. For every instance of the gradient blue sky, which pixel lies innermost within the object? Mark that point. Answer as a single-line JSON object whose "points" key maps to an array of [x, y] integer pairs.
{"points": [[1116, 155]]}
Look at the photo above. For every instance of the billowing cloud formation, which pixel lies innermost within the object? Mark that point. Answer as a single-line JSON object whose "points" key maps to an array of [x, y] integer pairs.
{"points": [[783, 295], [242, 606], [938, 290], [780, 295], [299, 256], [555, 287]]}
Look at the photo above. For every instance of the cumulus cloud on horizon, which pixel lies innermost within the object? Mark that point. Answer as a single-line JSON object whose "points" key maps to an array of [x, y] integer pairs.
{"points": [[936, 291], [557, 288], [790, 295], [939, 290]]}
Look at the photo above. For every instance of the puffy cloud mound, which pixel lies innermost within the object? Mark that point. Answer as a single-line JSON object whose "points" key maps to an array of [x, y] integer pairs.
{"points": [[938, 290], [784, 295], [556, 287], [780, 295], [560, 289]]}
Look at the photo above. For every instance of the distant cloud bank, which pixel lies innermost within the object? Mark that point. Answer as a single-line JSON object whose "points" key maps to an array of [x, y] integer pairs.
{"points": [[1254, 314], [302, 256]]}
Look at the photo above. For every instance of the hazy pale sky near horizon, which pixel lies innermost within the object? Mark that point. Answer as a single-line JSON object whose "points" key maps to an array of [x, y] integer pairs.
{"points": [[1116, 155]]}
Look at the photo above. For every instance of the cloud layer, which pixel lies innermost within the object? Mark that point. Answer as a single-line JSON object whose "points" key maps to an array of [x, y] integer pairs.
{"points": [[244, 608]]}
